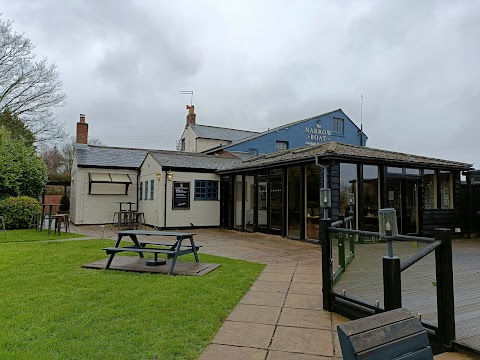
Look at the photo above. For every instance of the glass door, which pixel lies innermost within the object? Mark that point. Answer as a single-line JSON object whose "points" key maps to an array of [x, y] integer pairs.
{"points": [[410, 216], [403, 197], [262, 204], [276, 204]]}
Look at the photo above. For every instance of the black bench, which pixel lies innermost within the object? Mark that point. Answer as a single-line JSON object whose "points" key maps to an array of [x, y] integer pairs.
{"points": [[395, 334], [173, 251]]}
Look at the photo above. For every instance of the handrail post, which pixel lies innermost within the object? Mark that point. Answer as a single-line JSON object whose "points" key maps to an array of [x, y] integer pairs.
{"points": [[445, 299], [392, 283], [326, 264]]}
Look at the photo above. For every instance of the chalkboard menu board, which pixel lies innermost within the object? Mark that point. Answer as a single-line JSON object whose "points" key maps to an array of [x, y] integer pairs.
{"points": [[181, 195]]}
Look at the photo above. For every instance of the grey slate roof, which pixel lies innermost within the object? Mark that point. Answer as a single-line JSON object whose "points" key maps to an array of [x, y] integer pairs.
{"points": [[219, 133], [179, 159], [336, 150], [111, 157]]}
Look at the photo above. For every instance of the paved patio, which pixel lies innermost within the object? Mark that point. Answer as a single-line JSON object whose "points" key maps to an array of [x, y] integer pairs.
{"points": [[281, 317]]}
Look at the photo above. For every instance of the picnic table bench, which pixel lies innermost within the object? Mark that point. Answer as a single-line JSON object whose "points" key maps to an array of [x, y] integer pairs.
{"points": [[173, 251]]}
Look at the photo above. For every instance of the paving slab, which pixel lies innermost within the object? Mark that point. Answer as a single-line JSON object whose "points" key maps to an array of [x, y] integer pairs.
{"points": [[305, 289], [307, 278], [305, 341], [224, 352], [280, 269], [308, 302], [312, 319], [268, 276], [271, 286], [282, 355], [263, 298], [244, 334], [255, 314]]}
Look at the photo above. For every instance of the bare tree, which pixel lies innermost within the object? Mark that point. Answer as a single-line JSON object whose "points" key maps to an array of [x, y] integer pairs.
{"points": [[29, 89], [68, 151]]}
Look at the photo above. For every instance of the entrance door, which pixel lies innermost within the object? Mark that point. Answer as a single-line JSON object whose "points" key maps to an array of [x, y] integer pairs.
{"points": [[262, 204], [276, 204], [269, 202], [403, 197]]}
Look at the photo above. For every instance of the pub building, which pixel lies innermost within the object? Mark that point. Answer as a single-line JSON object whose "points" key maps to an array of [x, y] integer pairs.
{"points": [[266, 181]]}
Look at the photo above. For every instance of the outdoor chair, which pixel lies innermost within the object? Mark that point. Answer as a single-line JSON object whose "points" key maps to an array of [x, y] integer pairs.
{"points": [[2, 220]]}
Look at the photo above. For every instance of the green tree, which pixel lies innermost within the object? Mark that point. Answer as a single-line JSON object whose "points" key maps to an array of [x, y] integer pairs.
{"points": [[16, 126], [22, 172], [29, 88]]}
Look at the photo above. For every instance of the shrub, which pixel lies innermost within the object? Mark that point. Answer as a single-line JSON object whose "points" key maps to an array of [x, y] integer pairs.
{"points": [[18, 211], [64, 203]]}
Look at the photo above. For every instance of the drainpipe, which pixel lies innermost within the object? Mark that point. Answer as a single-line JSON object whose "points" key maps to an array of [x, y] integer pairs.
{"points": [[165, 204], [325, 184]]}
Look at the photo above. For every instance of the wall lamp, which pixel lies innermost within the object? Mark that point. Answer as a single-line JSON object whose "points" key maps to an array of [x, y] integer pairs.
{"points": [[170, 175], [159, 175]]}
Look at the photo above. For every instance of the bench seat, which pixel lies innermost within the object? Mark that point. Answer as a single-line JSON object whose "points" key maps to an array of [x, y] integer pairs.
{"points": [[143, 243], [114, 250]]}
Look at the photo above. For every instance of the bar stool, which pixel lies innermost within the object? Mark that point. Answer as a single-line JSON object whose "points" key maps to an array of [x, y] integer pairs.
{"points": [[58, 220], [139, 220], [120, 218], [2, 220]]}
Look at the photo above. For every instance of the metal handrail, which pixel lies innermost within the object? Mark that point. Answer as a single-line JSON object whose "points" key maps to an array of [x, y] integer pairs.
{"points": [[420, 255]]}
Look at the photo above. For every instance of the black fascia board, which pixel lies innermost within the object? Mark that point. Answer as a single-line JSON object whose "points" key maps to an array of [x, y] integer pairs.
{"points": [[351, 159]]}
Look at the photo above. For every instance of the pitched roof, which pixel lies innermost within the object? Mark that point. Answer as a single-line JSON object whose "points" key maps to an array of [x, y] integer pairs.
{"points": [[180, 159], [109, 157], [336, 150], [219, 133], [283, 126]]}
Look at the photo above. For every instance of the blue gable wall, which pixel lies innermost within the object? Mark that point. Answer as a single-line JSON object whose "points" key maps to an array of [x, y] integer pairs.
{"points": [[313, 131]]}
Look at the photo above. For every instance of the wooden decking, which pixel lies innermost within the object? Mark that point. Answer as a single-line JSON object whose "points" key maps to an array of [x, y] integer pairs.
{"points": [[363, 279]]}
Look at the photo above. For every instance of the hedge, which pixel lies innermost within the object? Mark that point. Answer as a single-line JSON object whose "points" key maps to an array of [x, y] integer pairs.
{"points": [[18, 211]]}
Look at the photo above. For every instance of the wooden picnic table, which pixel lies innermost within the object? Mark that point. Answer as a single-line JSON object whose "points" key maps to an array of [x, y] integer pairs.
{"points": [[173, 251]]}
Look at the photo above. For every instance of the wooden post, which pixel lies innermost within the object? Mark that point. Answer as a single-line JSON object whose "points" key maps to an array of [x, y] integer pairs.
{"points": [[326, 263], [392, 283], [445, 299]]}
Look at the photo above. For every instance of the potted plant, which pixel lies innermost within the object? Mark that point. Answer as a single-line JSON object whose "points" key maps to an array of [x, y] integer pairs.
{"points": [[64, 205]]}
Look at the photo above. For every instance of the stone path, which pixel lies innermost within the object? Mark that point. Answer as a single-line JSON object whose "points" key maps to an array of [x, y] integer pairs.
{"points": [[281, 317]]}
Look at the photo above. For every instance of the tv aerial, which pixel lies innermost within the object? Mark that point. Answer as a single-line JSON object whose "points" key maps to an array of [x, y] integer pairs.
{"points": [[188, 92]]}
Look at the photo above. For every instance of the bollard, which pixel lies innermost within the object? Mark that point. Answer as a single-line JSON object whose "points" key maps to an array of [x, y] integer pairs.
{"points": [[102, 231]]}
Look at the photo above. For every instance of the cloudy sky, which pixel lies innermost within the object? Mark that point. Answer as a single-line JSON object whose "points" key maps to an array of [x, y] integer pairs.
{"points": [[254, 65]]}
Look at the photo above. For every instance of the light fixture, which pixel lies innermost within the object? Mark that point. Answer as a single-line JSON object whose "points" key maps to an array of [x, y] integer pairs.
{"points": [[387, 227], [351, 199], [170, 175], [159, 175], [387, 222], [325, 198]]}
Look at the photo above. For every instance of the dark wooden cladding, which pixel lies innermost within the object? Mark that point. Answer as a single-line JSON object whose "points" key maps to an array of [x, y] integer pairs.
{"points": [[335, 188], [436, 218]]}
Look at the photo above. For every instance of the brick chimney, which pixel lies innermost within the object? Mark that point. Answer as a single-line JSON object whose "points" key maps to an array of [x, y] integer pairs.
{"points": [[191, 115], [82, 130]]}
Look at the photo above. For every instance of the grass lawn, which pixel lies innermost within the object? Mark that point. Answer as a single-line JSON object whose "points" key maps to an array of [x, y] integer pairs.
{"points": [[51, 308], [34, 235]]}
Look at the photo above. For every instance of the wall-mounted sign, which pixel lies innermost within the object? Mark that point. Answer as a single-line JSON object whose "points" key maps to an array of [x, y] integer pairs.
{"points": [[181, 195], [316, 135]]}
